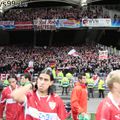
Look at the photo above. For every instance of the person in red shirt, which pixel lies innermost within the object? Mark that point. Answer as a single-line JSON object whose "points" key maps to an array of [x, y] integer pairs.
{"points": [[42, 103], [79, 98], [109, 108], [13, 108]]}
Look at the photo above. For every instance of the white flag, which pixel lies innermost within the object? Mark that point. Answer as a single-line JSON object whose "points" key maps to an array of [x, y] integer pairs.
{"points": [[73, 53]]}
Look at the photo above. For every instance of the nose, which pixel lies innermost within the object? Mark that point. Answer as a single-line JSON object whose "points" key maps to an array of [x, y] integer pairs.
{"points": [[42, 81]]}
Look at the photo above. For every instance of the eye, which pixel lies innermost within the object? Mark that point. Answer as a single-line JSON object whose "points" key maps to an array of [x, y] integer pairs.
{"points": [[40, 78], [46, 80]]}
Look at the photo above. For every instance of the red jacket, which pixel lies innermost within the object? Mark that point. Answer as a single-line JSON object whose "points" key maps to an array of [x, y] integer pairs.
{"points": [[13, 109], [108, 110], [78, 100]]}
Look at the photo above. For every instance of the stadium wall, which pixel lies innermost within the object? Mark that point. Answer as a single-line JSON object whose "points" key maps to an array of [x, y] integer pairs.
{"points": [[4, 37]]}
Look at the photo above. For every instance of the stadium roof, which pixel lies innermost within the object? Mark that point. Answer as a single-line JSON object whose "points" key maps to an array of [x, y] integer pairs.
{"points": [[5, 6], [103, 2], [66, 1]]}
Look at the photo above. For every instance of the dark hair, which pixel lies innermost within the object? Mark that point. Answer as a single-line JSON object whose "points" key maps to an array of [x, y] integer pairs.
{"points": [[80, 76], [12, 76], [51, 88], [48, 72], [27, 75]]}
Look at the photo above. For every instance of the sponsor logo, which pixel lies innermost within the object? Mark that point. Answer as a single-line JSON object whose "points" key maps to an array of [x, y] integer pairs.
{"points": [[85, 21], [44, 116], [47, 116], [52, 105]]}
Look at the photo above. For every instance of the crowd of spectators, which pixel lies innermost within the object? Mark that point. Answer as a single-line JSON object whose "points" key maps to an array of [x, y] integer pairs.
{"points": [[16, 59], [29, 14]]}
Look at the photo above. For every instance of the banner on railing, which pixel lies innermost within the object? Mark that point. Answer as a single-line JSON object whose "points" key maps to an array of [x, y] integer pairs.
{"points": [[45, 24], [67, 23], [103, 54], [103, 22], [26, 25], [7, 25]]}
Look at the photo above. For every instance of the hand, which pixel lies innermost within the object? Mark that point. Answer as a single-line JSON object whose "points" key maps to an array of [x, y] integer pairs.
{"points": [[34, 85]]}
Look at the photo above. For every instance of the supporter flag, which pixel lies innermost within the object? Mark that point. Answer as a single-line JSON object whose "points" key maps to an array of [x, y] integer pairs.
{"points": [[73, 53], [29, 68]]}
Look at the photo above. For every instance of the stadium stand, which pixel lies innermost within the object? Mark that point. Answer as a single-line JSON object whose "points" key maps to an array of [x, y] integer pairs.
{"points": [[45, 34]]}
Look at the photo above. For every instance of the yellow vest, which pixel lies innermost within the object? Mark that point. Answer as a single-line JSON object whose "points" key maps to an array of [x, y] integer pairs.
{"points": [[101, 85]]}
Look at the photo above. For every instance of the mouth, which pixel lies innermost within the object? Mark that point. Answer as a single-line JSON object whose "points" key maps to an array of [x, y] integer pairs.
{"points": [[41, 87]]}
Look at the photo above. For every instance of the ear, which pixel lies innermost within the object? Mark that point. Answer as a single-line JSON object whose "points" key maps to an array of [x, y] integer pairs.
{"points": [[51, 83]]}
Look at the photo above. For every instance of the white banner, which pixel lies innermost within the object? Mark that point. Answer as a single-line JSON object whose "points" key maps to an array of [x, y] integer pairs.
{"points": [[103, 54], [103, 22], [45, 24], [73, 53]]}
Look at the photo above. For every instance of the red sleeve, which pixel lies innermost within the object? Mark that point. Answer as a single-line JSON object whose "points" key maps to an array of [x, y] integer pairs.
{"points": [[75, 106], [27, 96], [2, 102], [103, 111], [62, 113]]}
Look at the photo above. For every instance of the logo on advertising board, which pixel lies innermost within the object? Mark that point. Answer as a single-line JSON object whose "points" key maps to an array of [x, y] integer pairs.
{"points": [[85, 22], [68, 23], [96, 22]]}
